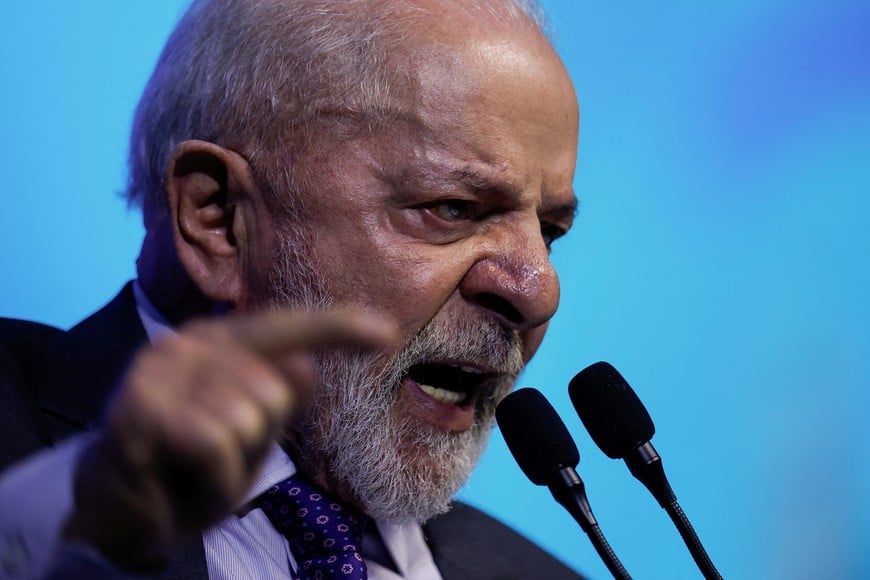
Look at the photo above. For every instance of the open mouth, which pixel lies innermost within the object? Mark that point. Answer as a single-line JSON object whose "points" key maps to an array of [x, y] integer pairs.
{"points": [[451, 384]]}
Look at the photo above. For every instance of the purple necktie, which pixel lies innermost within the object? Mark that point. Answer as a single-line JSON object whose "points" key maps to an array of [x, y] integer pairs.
{"points": [[325, 534]]}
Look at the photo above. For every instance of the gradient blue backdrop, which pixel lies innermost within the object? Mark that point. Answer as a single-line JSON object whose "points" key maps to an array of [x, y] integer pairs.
{"points": [[720, 258]]}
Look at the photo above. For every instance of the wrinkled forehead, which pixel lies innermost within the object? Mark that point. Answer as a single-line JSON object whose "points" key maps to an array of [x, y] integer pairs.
{"points": [[449, 53], [465, 61]]}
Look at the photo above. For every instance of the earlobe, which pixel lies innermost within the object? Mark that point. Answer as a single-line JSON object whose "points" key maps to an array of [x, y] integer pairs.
{"points": [[204, 184]]}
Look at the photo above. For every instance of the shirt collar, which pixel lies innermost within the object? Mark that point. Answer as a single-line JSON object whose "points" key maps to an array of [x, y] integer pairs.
{"points": [[156, 325]]}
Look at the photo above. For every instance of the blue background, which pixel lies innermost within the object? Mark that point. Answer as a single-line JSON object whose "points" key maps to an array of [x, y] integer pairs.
{"points": [[720, 258]]}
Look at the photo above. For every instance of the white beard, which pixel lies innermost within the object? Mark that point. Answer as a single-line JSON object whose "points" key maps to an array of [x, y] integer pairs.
{"points": [[396, 466]]}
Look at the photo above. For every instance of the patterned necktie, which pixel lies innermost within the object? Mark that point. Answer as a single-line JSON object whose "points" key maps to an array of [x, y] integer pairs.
{"points": [[324, 534]]}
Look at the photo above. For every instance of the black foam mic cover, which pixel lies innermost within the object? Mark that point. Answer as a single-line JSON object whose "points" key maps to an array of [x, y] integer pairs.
{"points": [[536, 435], [621, 426], [610, 410]]}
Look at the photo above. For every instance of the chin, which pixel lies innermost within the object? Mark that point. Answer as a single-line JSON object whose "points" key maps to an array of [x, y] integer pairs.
{"points": [[394, 467], [418, 480]]}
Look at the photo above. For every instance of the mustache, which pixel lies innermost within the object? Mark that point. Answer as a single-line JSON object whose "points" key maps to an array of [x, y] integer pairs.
{"points": [[484, 342]]}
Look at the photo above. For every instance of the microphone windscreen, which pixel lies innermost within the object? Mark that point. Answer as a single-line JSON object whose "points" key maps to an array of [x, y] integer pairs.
{"points": [[536, 435], [610, 410]]}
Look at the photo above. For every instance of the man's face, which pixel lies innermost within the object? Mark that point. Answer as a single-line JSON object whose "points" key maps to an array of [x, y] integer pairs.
{"points": [[442, 222]]}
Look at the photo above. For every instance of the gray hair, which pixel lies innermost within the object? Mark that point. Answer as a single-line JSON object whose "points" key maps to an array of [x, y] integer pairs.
{"points": [[259, 76]]}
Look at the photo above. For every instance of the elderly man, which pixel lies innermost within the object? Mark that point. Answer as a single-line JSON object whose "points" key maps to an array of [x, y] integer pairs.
{"points": [[369, 190]]}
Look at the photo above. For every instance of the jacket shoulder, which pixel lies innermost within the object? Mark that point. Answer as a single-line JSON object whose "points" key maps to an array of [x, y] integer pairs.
{"points": [[22, 351], [23, 338]]}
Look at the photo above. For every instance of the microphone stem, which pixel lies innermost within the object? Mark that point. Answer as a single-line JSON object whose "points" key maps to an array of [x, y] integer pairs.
{"points": [[570, 491], [646, 465], [605, 552], [692, 541]]}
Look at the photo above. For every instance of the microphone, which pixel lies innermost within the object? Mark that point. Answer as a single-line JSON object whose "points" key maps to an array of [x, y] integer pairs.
{"points": [[621, 426], [544, 450]]}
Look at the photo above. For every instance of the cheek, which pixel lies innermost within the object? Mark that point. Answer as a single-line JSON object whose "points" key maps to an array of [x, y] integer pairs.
{"points": [[408, 281], [415, 283], [532, 340]]}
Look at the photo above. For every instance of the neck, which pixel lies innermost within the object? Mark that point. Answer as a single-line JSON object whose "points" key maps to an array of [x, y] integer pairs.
{"points": [[164, 280]]}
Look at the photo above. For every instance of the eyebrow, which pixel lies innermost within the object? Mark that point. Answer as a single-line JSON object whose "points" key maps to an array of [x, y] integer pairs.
{"points": [[478, 181], [568, 209], [475, 180]]}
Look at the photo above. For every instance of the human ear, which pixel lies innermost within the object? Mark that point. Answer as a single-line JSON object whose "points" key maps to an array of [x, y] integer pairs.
{"points": [[204, 184]]}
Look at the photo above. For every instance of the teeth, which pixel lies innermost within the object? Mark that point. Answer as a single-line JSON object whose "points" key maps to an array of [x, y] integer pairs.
{"points": [[443, 395], [468, 369]]}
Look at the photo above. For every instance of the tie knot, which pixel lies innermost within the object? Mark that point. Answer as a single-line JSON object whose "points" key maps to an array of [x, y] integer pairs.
{"points": [[324, 532]]}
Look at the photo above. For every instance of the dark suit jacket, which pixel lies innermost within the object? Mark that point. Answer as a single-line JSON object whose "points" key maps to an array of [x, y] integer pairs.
{"points": [[54, 384]]}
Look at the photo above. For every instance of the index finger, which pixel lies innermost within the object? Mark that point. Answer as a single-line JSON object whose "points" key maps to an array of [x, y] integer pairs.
{"points": [[278, 331]]}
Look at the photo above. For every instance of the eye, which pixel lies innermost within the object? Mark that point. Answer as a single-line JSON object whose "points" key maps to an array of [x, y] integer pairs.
{"points": [[452, 209], [551, 233]]}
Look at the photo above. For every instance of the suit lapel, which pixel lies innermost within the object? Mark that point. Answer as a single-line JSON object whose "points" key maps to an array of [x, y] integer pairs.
{"points": [[466, 543], [453, 549]]}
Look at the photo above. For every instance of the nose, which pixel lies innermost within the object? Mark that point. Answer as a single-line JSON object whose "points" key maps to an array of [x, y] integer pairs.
{"points": [[514, 280]]}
